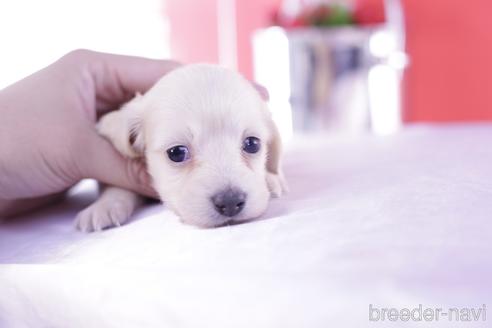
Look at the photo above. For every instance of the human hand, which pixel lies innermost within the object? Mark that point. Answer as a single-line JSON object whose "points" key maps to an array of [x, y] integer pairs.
{"points": [[48, 140]]}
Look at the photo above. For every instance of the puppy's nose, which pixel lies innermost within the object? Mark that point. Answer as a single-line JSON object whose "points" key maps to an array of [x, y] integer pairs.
{"points": [[229, 202]]}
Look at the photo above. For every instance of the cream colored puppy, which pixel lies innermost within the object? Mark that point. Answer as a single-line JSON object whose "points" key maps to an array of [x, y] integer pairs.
{"points": [[210, 144]]}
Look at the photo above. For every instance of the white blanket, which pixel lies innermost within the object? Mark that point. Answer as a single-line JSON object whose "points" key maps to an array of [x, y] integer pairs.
{"points": [[373, 222]]}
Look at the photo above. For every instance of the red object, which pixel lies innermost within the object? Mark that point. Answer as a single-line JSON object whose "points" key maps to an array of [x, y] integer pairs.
{"points": [[450, 48], [368, 12], [318, 13]]}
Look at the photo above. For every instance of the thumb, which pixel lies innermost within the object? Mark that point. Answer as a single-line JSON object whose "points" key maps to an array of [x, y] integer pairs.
{"points": [[105, 164]]}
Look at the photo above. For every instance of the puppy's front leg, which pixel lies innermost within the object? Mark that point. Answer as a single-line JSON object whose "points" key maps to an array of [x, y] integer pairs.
{"points": [[115, 205], [113, 208], [276, 184]]}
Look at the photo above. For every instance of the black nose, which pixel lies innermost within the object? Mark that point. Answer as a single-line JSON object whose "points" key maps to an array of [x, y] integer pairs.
{"points": [[229, 202]]}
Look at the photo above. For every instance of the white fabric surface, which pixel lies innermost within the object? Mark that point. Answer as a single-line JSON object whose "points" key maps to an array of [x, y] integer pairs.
{"points": [[391, 221]]}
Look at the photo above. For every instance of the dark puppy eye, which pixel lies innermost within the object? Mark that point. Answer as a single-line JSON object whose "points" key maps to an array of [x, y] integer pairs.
{"points": [[251, 145], [178, 153]]}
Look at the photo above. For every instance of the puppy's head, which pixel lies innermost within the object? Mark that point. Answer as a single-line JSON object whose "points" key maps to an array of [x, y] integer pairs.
{"points": [[210, 144]]}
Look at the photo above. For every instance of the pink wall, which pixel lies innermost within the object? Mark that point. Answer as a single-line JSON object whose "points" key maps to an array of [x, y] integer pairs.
{"points": [[251, 15], [193, 30], [450, 44], [450, 47]]}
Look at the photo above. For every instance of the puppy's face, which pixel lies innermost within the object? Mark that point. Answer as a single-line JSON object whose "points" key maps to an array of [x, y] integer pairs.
{"points": [[206, 133]]}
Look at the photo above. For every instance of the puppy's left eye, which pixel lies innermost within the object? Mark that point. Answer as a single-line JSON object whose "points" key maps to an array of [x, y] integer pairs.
{"points": [[178, 153], [251, 145]]}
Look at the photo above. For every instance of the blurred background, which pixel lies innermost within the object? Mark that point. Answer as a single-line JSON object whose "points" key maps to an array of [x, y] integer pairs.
{"points": [[346, 66]]}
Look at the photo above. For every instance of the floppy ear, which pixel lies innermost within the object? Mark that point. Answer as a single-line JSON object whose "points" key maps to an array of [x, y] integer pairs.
{"points": [[123, 128], [275, 177]]}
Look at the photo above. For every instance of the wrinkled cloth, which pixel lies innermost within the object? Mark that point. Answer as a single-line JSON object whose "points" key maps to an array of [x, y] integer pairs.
{"points": [[388, 222]]}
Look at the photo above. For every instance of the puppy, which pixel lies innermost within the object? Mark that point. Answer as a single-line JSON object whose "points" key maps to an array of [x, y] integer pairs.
{"points": [[210, 145]]}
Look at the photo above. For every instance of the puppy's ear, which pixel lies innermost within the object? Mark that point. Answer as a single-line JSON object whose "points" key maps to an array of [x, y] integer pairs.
{"points": [[275, 177], [123, 128]]}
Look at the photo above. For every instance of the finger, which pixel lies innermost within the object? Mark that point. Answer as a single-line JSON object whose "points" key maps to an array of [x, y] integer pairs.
{"points": [[105, 164], [15, 207], [117, 78]]}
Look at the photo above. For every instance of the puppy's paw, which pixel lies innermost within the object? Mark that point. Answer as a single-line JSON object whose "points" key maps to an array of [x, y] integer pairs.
{"points": [[276, 184], [103, 214]]}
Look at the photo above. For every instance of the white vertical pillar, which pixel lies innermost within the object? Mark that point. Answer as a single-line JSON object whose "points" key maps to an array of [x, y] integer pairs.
{"points": [[227, 33]]}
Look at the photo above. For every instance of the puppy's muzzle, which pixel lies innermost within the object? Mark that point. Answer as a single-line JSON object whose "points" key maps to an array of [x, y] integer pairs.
{"points": [[229, 202]]}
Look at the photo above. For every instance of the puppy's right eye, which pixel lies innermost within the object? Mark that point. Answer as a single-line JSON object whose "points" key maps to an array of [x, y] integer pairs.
{"points": [[178, 153], [251, 145]]}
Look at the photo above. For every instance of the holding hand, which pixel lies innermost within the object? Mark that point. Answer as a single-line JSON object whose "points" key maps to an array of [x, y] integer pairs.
{"points": [[48, 140]]}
